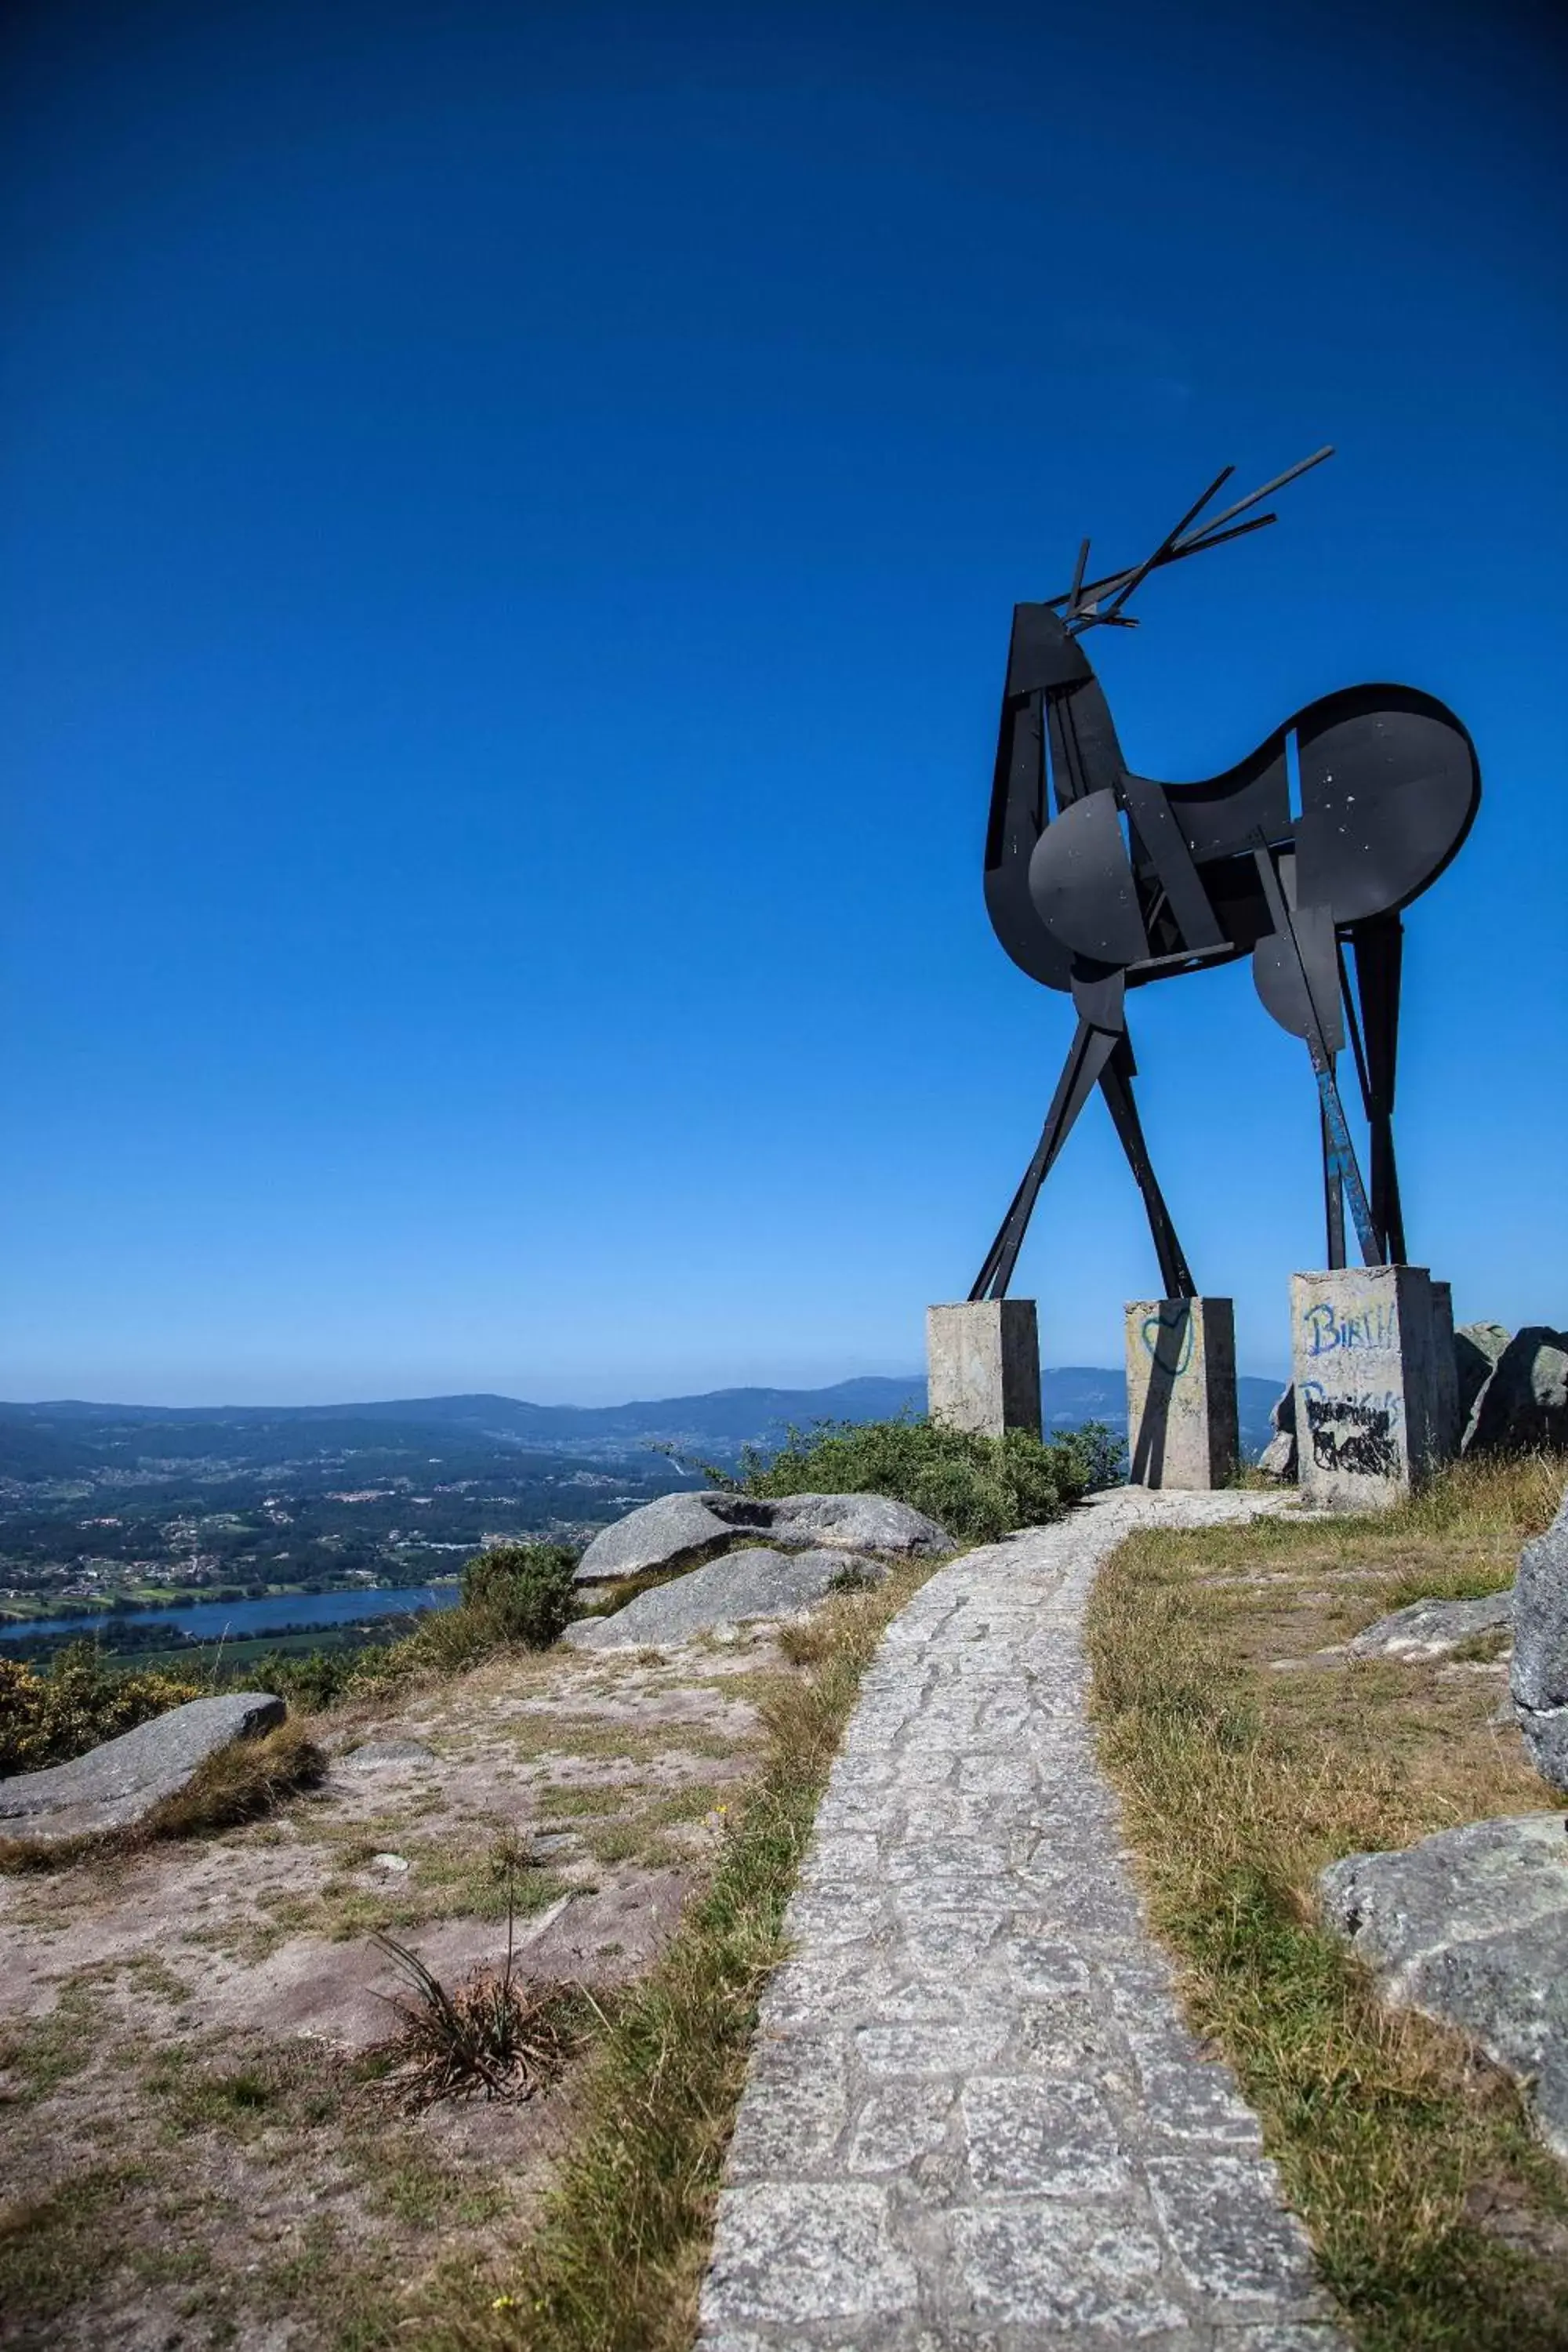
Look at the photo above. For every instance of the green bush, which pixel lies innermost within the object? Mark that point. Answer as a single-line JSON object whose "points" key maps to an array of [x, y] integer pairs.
{"points": [[525, 1591], [1102, 1451], [78, 1705], [307, 1678], [514, 1593], [977, 1488]]}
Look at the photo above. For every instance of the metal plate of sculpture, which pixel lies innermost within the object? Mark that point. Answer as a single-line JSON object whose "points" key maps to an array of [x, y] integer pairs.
{"points": [[1302, 857]]}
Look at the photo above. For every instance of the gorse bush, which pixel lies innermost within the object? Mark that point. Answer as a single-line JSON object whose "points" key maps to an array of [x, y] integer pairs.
{"points": [[977, 1488], [309, 1679], [49, 1719], [515, 1594], [526, 1590]]}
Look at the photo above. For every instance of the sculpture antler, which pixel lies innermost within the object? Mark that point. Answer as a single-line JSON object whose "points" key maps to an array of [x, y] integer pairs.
{"points": [[1083, 602]]}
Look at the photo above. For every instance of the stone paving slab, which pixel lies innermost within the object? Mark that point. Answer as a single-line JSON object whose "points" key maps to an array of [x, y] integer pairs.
{"points": [[974, 2121]]}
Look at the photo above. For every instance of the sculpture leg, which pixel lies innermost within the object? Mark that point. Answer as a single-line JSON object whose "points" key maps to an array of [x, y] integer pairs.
{"points": [[1313, 1012], [1379, 951], [1116, 1086], [1087, 1055], [1334, 1195]]}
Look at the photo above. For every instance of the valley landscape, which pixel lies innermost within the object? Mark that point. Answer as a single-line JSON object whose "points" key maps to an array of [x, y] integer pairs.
{"points": [[164, 1529]]}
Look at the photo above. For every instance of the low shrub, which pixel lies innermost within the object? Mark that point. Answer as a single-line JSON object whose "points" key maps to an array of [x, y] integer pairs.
{"points": [[48, 1719], [526, 1590], [1101, 1450], [313, 1679], [977, 1488], [517, 1594]]}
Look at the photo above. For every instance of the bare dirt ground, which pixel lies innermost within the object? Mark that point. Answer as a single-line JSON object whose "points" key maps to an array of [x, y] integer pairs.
{"points": [[197, 2143]]}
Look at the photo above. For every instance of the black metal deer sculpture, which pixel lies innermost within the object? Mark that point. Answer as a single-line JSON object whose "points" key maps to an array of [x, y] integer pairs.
{"points": [[1098, 881]]}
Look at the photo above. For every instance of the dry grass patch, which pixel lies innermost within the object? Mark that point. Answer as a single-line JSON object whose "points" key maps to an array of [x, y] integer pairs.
{"points": [[210, 2189], [197, 2170], [240, 1782], [543, 1736], [1398, 2146], [617, 2264]]}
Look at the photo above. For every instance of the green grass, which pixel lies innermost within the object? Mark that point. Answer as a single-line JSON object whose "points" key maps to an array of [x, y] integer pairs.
{"points": [[43, 2053], [161, 2198], [580, 1803], [448, 1880], [1395, 2141], [49, 2242]]}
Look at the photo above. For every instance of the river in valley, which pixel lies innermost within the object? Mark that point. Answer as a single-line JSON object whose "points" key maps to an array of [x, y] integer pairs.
{"points": [[234, 1620]]}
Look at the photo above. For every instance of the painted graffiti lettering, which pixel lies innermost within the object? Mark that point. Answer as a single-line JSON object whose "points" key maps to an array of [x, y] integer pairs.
{"points": [[1329, 1331], [1356, 1434]]}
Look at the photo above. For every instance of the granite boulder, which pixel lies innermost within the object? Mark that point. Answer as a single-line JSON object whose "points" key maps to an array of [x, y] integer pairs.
{"points": [[116, 1786], [755, 1582]]}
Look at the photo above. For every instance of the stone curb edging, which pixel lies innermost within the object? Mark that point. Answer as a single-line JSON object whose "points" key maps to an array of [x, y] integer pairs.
{"points": [[974, 2121]]}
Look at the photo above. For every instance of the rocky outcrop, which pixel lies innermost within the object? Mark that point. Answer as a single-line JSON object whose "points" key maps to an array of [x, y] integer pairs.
{"points": [[1431, 1629], [1539, 1684], [1470, 1926], [852, 1523], [677, 1531], [1278, 1456], [684, 1532], [756, 1582], [1477, 1348], [117, 1786], [1508, 1395], [1525, 1401]]}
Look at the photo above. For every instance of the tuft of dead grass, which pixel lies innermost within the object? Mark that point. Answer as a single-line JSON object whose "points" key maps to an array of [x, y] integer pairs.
{"points": [[804, 1641], [1394, 2138], [494, 2031]]}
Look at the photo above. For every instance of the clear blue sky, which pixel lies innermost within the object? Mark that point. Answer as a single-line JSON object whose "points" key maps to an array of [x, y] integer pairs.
{"points": [[511, 522]]}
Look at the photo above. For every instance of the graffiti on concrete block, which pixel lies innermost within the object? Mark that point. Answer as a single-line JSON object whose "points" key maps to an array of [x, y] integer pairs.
{"points": [[1354, 1433], [1329, 1331], [1169, 1341]]}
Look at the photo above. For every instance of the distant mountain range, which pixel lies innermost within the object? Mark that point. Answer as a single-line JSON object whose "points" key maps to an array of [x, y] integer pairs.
{"points": [[720, 1422]]}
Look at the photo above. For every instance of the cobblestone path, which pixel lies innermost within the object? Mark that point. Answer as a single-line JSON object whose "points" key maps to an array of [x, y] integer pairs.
{"points": [[974, 2117]]}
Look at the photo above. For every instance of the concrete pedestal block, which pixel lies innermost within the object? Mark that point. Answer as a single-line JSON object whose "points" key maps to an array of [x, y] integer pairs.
{"points": [[983, 1365], [1181, 1425], [1366, 1389], [1447, 1431]]}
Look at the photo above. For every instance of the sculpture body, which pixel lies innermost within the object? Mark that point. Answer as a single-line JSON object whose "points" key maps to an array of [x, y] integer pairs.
{"points": [[1302, 857]]}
